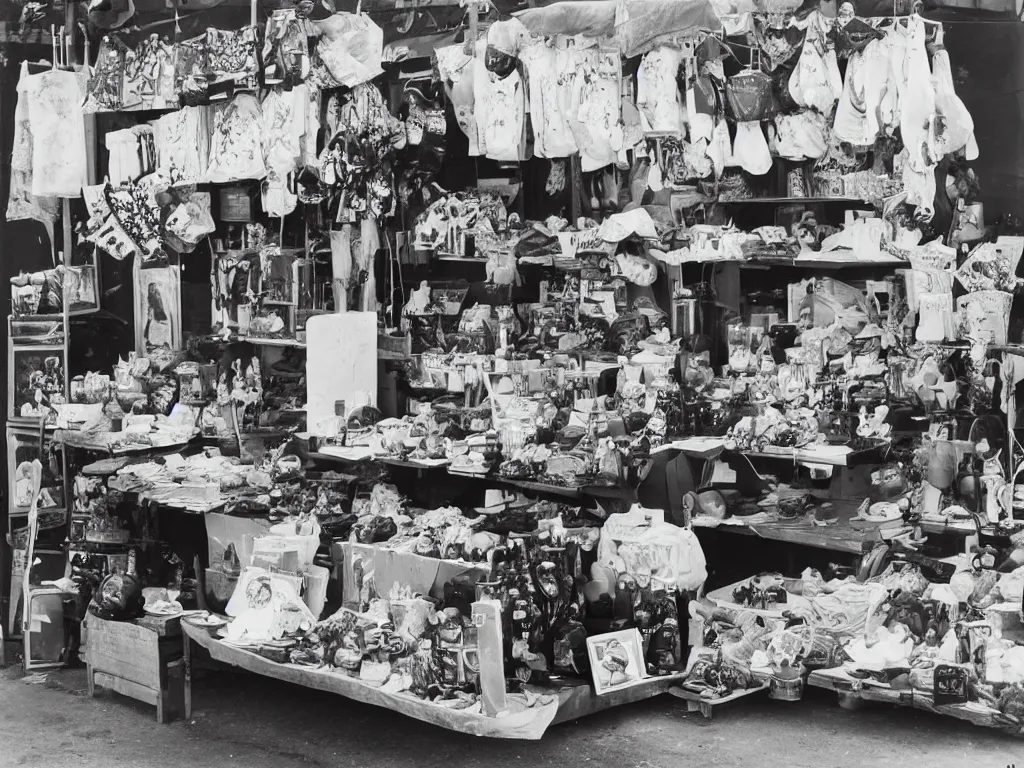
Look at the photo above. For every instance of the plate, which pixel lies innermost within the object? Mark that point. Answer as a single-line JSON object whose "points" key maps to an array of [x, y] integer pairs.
{"points": [[164, 608], [162, 612]]}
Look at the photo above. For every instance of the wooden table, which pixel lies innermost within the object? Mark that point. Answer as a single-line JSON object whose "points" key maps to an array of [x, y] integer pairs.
{"points": [[850, 688], [572, 700], [841, 536]]}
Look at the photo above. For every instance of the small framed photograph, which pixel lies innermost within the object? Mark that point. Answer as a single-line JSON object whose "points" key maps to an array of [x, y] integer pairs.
{"points": [[22, 450], [157, 310], [616, 660], [35, 382]]}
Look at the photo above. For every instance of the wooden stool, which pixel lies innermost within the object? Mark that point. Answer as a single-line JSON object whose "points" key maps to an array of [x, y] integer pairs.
{"points": [[142, 659]]}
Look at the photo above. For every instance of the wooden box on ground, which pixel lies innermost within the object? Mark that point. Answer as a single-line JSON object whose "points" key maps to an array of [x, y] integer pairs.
{"points": [[140, 659]]}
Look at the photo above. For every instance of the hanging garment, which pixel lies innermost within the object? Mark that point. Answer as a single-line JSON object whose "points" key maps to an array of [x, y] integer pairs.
{"points": [[597, 89], [131, 153], [852, 123], [778, 44], [917, 104], [285, 49], [21, 203], [657, 92], [277, 195], [309, 99], [835, 79], [283, 127], [182, 142], [58, 155], [810, 85], [419, 162], [936, 320], [550, 89], [482, 83], [148, 76], [895, 46], [190, 78], [236, 149], [351, 48], [231, 59], [55, 101], [749, 96], [369, 244], [857, 118], [506, 116], [952, 126], [720, 148], [456, 71], [750, 149], [107, 78], [920, 188], [341, 265], [700, 109], [801, 136]]}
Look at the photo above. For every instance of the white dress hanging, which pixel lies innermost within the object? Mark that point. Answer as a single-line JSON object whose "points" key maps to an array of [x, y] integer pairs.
{"points": [[953, 127], [810, 84], [657, 93], [21, 203], [750, 149], [55, 101]]}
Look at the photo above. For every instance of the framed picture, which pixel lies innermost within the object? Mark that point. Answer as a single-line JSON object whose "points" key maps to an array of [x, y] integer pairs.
{"points": [[157, 309], [616, 660], [279, 278], [35, 377], [37, 293], [33, 330], [81, 289], [22, 450]]}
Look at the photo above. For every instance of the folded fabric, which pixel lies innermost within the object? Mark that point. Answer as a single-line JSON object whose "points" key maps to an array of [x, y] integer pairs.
{"points": [[619, 226]]}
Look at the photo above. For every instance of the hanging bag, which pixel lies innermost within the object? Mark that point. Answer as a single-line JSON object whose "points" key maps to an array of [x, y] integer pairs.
{"points": [[749, 96]]}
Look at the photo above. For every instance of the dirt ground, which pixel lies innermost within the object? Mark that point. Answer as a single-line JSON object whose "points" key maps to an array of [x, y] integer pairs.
{"points": [[246, 720]]}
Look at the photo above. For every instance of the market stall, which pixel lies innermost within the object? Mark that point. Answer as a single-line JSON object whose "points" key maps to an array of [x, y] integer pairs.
{"points": [[507, 372]]}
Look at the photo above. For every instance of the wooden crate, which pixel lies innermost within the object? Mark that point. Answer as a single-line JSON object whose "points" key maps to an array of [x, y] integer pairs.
{"points": [[141, 659]]}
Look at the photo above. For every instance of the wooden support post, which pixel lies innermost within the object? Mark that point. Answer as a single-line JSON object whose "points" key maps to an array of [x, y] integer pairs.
{"points": [[474, 28]]}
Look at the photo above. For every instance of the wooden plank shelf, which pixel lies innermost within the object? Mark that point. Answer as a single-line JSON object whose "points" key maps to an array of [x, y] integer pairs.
{"points": [[569, 700], [851, 690], [696, 702]]}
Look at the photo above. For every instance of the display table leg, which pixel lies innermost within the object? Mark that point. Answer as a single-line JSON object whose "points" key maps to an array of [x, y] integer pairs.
{"points": [[186, 660]]}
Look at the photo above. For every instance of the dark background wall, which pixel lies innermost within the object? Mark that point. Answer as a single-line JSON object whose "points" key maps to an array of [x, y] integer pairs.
{"points": [[988, 68]]}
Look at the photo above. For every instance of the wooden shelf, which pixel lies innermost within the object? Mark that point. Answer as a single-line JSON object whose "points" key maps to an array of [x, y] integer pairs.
{"points": [[16, 32], [841, 536], [270, 342], [785, 200], [765, 264]]}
